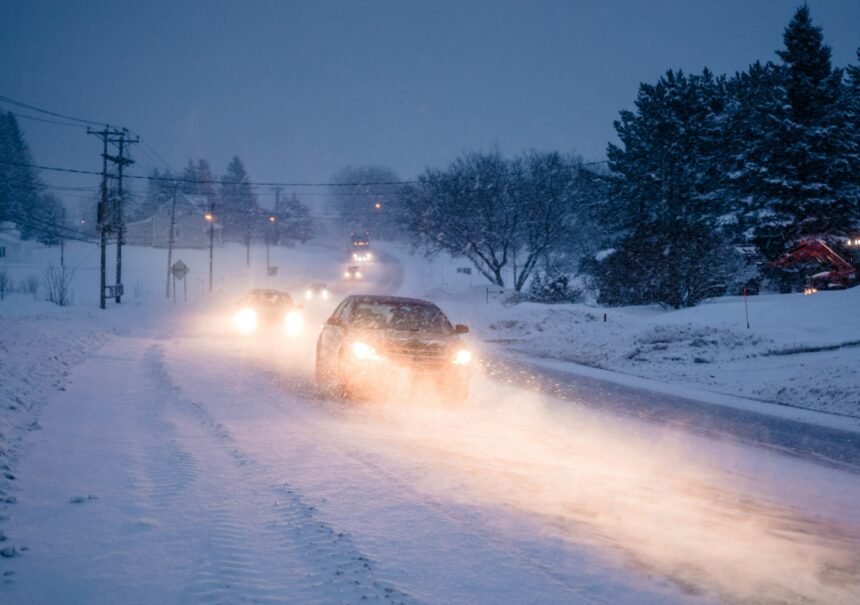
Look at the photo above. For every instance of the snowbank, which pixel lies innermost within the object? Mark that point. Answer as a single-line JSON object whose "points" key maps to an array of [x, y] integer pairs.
{"points": [[801, 351], [39, 344]]}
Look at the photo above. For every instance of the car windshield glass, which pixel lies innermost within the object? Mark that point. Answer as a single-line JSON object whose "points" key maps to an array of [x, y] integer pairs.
{"points": [[274, 299], [414, 317]]}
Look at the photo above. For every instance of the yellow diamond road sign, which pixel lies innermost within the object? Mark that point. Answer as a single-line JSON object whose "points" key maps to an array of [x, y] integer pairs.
{"points": [[179, 269]]}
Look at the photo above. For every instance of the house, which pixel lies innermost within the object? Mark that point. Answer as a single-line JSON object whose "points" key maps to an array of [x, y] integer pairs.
{"points": [[11, 249], [190, 229]]}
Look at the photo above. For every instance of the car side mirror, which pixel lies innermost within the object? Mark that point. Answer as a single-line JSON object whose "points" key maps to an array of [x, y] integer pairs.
{"points": [[461, 329]]}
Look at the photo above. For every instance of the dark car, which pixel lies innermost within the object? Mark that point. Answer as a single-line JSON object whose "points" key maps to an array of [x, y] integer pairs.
{"points": [[269, 310], [353, 273], [371, 342], [317, 291]]}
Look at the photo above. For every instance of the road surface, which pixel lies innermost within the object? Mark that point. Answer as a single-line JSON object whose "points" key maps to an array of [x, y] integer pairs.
{"points": [[185, 464]]}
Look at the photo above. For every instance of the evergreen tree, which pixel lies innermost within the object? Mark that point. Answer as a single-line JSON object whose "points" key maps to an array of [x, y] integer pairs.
{"points": [[667, 166], [49, 218], [159, 191], [755, 112], [197, 179], [20, 188], [365, 200], [239, 212], [803, 187], [851, 128], [293, 221]]}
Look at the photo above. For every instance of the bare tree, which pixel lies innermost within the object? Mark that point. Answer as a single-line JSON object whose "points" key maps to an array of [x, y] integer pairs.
{"points": [[468, 210], [58, 281], [5, 282], [503, 215], [367, 198]]}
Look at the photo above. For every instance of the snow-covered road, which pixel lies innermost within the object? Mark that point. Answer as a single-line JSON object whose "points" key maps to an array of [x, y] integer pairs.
{"points": [[184, 464]]}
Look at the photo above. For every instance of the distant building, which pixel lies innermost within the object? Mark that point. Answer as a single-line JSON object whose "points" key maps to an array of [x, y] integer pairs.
{"points": [[10, 243], [191, 229]]}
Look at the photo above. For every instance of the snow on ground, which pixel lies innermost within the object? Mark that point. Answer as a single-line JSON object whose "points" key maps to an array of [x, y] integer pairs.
{"points": [[800, 350], [183, 463]]}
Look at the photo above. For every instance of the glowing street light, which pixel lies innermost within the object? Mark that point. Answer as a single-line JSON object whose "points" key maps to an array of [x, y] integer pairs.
{"points": [[378, 205], [209, 217]]}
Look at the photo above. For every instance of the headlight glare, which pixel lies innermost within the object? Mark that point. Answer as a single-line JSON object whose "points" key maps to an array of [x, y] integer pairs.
{"points": [[294, 323], [462, 357], [364, 351], [246, 320]]}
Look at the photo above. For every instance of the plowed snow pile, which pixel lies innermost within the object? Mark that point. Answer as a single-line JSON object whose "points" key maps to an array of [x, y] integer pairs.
{"points": [[802, 351]]}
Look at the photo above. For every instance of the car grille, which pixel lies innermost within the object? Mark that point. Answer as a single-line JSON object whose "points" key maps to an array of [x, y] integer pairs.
{"points": [[418, 355]]}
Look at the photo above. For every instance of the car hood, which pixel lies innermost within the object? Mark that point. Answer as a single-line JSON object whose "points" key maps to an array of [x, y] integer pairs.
{"points": [[404, 337]]}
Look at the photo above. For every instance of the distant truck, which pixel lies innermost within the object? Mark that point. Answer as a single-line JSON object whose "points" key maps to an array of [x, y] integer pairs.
{"points": [[838, 258], [359, 248]]}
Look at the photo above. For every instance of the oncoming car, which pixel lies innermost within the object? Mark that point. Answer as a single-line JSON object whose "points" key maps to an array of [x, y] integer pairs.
{"points": [[371, 341], [270, 311], [353, 273], [317, 291], [364, 256]]}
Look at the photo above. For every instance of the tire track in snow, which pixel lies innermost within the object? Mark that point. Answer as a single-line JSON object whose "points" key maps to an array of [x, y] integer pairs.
{"points": [[288, 530]]}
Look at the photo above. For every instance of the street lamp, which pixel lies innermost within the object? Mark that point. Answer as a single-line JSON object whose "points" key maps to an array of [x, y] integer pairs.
{"points": [[210, 218], [378, 205], [272, 220]]}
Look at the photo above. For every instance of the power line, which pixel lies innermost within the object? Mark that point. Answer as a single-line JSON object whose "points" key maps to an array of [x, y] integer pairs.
{"points": [[50, 113], [171, 179], [35, 119], [48, 227]]}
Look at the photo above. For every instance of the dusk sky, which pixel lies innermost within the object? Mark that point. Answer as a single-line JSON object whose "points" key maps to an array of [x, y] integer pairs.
{"points": [[300, 89]]}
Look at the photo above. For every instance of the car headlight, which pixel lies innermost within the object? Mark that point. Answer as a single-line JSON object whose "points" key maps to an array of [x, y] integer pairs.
{"points": [[346, 274], [462, 357], [309, 294], [358, 274], [294, 323], [245, 320], [368, 256], [325, 294], [364, 351]]}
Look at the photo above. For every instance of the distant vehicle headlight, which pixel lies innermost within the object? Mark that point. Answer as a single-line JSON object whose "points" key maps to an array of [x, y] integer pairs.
{"points": [[368, 256], [309, 294], [294, 323], [462, 357], [246, 320], [346, 274], [358, 274], [364, 351], [325, 294]]}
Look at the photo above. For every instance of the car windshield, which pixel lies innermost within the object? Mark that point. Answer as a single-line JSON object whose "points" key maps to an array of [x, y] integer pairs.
{"points": [[270, 298], [410, 316]]}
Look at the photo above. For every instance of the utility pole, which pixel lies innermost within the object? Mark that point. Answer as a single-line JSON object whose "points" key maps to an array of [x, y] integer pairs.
{"points": [[63, 239], [170, 239], [103, 135], [121, 161], [118, 137], [210, 218]]}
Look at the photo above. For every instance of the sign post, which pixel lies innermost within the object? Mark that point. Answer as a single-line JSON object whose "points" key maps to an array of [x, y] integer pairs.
{"points": [[179, 270]]}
